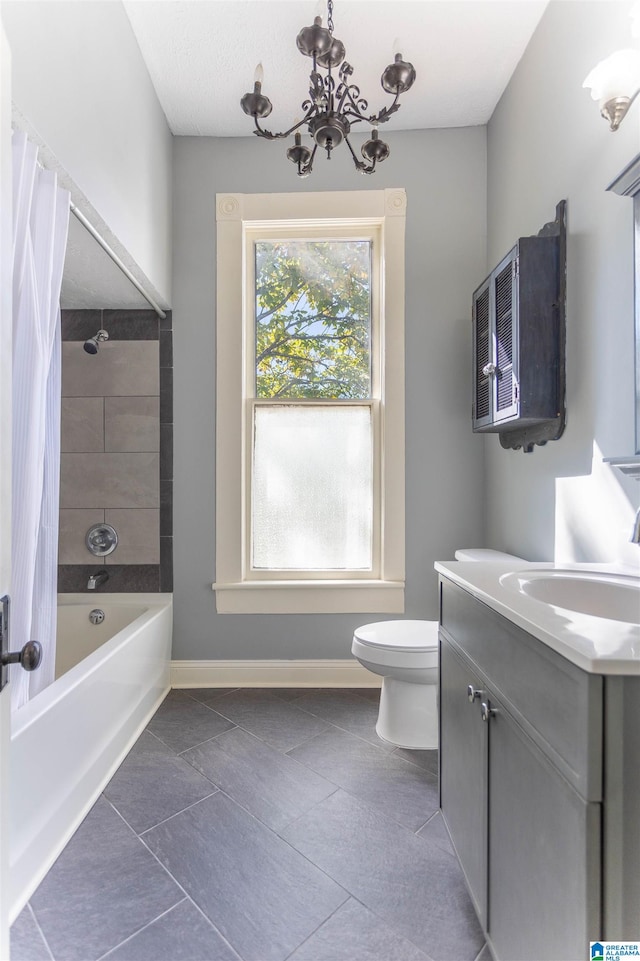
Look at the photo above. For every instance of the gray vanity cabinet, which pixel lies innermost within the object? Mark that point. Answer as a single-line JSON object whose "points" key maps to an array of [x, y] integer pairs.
{"points": [[521, 782]]}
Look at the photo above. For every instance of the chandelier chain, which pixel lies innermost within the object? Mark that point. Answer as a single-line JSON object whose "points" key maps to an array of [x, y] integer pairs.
{"points": [[330, 16]]}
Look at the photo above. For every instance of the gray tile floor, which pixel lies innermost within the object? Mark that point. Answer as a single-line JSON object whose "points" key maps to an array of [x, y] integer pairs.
{"points": [[253, 825]]}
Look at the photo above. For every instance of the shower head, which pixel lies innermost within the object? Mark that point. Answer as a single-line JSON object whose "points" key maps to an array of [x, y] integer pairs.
{"points": [[91, 345]]}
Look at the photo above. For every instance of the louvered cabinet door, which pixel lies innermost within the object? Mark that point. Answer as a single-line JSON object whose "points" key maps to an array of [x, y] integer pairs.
{"points": [[495, 346], [505, 377], [482, 357]]}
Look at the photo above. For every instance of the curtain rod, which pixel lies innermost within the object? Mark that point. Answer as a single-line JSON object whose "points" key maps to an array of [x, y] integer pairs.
{"points": [[111, 253]]}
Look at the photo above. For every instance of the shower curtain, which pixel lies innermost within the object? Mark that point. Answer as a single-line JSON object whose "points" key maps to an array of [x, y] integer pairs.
{"points": [[40, 225]]}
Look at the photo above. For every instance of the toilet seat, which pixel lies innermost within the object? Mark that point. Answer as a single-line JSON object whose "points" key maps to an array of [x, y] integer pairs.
{"points": [[412, 637]]}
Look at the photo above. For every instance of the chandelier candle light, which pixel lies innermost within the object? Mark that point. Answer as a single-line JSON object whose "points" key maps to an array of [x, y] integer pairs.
{"points": [[333, 106]]}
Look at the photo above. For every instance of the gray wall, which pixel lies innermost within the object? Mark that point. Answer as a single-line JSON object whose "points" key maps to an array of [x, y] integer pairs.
{"points": [[444, 174], [546, 141], [81, 85]]}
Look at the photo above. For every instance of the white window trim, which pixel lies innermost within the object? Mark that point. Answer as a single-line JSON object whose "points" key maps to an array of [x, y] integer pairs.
{"points": [[234, 593]]}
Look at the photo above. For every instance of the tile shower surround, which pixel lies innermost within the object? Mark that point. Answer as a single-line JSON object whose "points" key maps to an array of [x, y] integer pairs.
{"points": [[259, 825], [117, 449]]}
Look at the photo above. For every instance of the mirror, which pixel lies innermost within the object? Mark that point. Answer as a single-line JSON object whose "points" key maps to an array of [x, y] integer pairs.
{"points": [[627, 184]]}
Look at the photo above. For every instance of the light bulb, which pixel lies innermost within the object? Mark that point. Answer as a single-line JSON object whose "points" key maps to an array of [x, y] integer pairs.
{"points": [[398, 47], [617, 76], [258, 75]]}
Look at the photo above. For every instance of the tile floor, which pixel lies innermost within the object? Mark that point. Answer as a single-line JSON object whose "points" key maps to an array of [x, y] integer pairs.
{"points": [[261, 826]]}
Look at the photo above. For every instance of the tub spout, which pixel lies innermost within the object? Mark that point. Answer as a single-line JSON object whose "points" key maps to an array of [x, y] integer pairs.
{"points": [[97, 579]]}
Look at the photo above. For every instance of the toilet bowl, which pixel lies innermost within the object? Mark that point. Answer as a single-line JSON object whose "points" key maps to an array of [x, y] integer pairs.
{"points": [[405, 655]]}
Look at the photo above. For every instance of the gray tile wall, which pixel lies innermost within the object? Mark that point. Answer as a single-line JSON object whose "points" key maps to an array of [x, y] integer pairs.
{"points": [[117, 449]]}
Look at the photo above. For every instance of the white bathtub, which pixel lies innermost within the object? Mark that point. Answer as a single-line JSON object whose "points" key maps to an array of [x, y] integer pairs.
{"points": [[67, 742]]}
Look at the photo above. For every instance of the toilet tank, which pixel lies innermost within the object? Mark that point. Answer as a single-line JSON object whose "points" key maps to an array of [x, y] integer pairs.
{"points": [[484, 554]]}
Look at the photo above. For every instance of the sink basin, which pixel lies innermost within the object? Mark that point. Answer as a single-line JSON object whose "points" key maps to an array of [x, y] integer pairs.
{"points": [[614, 596]]}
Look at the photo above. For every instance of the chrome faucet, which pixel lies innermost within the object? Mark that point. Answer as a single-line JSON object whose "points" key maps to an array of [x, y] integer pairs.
{"points": [[97, 579], [635, 530]]}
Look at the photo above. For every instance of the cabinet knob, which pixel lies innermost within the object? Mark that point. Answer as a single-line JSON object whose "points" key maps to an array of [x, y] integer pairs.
{"points": [[486, 711], [472, 693], [489, 370]]}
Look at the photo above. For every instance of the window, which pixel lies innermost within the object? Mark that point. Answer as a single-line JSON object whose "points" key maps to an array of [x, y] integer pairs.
{"points": [[310, 408]]}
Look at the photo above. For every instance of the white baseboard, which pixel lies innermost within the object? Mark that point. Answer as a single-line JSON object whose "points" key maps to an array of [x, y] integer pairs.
{"points": [[321, 673]]}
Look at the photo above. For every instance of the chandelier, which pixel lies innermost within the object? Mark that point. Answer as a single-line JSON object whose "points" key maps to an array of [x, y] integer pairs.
{"points": [[334, 105]]}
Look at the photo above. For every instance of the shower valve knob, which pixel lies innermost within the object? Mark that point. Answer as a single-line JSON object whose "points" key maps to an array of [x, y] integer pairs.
{"points": [[473, 693], [29, 657], [487, 711]]}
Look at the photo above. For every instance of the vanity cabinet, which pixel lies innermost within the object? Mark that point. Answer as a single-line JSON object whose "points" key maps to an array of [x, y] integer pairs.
{"points": [[518, 339], [521, 783]]}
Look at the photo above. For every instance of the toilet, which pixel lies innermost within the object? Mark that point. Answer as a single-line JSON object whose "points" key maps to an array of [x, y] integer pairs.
{"points": [[405, 655]]}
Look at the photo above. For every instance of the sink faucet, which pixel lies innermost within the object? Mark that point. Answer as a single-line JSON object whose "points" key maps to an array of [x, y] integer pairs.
{"points": [[97, 579], [635, 530]]}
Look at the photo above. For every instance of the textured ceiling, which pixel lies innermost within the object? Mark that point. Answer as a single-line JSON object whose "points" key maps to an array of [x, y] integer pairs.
{"points": [[201, 55]]}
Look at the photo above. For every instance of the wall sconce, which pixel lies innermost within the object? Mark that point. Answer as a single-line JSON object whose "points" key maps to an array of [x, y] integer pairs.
{"points": [[615, 82]]}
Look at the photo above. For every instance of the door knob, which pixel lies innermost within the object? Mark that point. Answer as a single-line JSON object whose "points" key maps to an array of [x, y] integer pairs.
{"points": [[29, 657], [473, 693]]}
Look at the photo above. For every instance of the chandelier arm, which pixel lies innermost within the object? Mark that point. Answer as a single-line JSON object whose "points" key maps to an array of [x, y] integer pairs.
{"points": [[374, 120], [306, 169], [360, 165], [386, 113], [268, 135], [356, 117]]}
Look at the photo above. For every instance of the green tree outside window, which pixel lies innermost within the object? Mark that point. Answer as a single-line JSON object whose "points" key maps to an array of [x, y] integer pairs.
{"points": [[313, 319]]}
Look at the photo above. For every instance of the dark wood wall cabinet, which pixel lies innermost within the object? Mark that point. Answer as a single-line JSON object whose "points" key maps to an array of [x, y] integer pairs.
{"points": [[519, 341]]}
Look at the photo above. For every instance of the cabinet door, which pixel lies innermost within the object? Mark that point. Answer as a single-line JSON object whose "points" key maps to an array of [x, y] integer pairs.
{"points": [[543, 856], [505, 317], [463, 758], [482, 356]]}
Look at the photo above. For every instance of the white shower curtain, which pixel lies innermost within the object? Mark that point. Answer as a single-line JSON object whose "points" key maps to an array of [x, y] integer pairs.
{"points": [[40, 222]]}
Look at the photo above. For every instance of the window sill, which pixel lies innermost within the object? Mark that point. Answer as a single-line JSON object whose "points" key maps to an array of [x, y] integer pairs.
{"points": [[310, 597]]}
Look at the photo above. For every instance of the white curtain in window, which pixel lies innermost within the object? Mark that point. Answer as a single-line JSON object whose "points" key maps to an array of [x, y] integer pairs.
{"points": [[40, 222]]}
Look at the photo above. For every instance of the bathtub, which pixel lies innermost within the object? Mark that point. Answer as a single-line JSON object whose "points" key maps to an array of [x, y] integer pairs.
{"points": [[68, 741]]}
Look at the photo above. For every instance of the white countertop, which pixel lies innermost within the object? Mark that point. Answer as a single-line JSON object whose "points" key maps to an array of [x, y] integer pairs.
{"points": [[596, 644]]}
